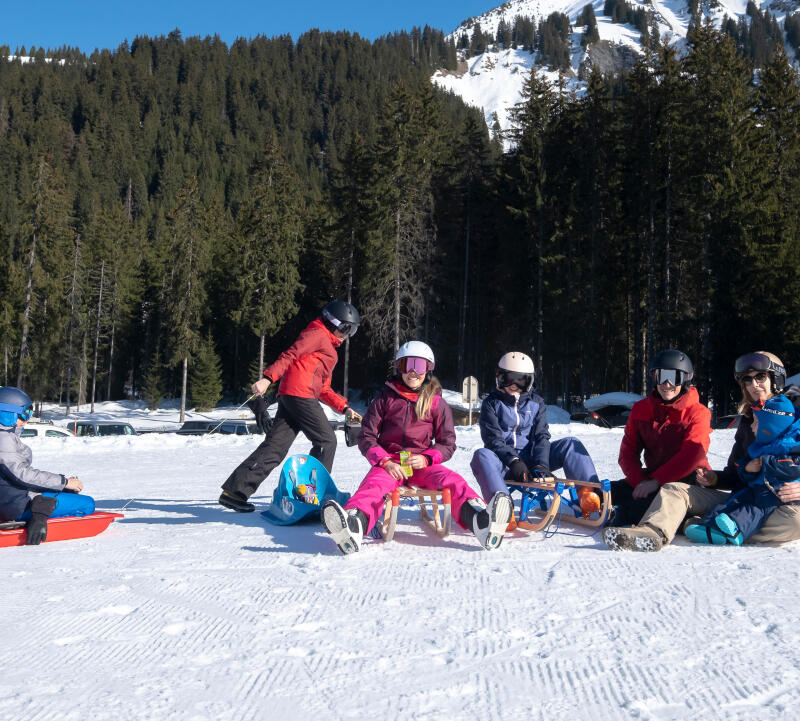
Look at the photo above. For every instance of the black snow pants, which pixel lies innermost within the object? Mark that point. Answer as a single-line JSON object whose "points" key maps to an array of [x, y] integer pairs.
{"points": [[294, 415]]}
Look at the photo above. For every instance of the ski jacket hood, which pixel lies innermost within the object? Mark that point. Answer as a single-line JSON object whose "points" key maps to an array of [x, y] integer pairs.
{"points": [[306, 367], [18, 480], [674, 437], [391, 425], [516, 427]]}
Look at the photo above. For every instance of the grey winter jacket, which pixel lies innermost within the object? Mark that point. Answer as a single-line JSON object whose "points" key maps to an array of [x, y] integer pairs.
{"points": [[18, 481]]}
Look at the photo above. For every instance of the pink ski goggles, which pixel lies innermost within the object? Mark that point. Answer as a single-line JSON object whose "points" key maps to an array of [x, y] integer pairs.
{"points": [[420, 366]]}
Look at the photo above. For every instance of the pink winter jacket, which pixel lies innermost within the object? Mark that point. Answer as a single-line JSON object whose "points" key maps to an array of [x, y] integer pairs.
{"points": [[391, 425]]}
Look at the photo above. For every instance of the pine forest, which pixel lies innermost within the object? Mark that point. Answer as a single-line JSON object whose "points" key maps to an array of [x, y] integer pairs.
{"points": [[175, 211]]}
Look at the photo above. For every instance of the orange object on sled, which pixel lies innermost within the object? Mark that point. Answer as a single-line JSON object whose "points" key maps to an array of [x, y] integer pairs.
{"points": [[589, 501], [65, 528]]}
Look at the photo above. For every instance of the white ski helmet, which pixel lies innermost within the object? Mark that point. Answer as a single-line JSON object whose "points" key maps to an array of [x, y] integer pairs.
{"points": [[515, 368], [414, 349]]}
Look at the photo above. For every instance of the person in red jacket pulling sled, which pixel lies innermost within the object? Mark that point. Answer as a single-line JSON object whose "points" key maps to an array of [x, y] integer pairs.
{"points": [[672, 427], [305, 373]]}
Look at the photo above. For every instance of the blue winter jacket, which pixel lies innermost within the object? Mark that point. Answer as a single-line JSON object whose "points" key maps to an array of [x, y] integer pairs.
{"points": [[516, 427]]}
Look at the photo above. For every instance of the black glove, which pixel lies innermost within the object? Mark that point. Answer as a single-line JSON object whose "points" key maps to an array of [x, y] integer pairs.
{"points": [[540, 472], [41, 508], [518, 471], [263, 419]]}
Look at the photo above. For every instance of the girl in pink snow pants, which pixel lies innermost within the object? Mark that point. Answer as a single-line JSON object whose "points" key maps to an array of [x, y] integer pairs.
{"points": [[410, 415]]}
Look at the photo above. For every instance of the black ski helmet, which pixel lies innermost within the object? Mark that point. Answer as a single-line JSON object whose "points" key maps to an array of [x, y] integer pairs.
{"points": [[674, 360], [342, 316], [14, 403]]}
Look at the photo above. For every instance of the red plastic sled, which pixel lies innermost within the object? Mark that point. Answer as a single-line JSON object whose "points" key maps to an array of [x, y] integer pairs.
{"points": [[63, 529]]}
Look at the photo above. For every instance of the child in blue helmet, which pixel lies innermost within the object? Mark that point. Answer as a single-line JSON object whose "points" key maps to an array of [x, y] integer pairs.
{"points": [[774, 459], [28, 494]]}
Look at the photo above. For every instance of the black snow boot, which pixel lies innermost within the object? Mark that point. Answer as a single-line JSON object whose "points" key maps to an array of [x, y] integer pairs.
{"points": [[41, 509], [236, 501]]}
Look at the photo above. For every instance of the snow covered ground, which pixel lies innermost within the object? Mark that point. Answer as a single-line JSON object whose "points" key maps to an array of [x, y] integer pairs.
{"points": [[184, 610]]}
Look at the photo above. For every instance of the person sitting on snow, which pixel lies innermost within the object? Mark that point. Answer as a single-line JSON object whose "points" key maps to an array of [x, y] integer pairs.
{"points": [[516, 436], [671, 428], [409, 415], [774, 460], [28, 494]]}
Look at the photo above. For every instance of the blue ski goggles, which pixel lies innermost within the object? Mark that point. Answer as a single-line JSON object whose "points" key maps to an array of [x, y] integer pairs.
{"points": [[24, 414]]}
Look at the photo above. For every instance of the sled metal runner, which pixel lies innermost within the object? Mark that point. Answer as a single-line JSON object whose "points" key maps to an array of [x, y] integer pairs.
{"points": [[434, 510], [541, 501], [64, 528]]}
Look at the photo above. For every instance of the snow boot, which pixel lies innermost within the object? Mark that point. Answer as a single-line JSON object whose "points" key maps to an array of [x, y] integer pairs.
{"points": [[589, 501], [700, 533], [728, 527], [236, 502], [488, 523], [346, 528], [636, 538], [41, 509]]}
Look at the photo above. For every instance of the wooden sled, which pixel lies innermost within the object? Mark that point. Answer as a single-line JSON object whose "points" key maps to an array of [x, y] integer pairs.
{"points": [[439, 519], [65, 528], [542, 501]]}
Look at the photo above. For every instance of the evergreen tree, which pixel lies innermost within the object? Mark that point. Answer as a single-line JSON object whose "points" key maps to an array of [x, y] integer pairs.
{"points": [[206, 376]]}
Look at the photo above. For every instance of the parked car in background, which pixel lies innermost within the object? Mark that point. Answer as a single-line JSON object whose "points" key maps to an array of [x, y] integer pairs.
{"points": [[101, 428], [34, 429], [233, 427], [608, 410]]}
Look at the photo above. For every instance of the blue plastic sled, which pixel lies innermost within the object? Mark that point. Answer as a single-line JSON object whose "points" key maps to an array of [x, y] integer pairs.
{"points": [[286, 507]]}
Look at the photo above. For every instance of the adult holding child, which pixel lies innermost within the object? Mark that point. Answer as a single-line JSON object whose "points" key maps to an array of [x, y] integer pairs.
{"points": [[761, 376]]}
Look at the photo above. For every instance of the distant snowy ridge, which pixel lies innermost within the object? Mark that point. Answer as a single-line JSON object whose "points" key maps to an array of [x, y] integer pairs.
{"points": [[493, 80]]}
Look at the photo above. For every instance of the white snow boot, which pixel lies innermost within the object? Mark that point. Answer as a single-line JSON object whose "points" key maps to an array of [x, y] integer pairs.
{"points": [[343, 526], [489, 523]]}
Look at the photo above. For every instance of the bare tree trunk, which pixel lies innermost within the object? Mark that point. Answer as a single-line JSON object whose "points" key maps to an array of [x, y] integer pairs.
{"points": [[183, 388], [97, 331], [462, 323], [26, 314], [73, 292], [397, 281], [349, 300], [261, 356], [113, 329]]}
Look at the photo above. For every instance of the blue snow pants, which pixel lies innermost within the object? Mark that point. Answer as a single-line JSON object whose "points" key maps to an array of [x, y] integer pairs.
{"points": [[567, 453], [749, 509], [67, 504]]}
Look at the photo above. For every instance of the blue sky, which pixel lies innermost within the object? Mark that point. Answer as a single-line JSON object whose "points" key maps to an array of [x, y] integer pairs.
{"points": [[90, 24]]}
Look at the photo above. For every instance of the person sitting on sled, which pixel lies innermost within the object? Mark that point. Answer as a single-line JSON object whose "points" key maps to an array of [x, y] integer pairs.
{"points": [[774, 459], [26, 493], [516, 436], [409, 415], [305, 372], [672, 427]]}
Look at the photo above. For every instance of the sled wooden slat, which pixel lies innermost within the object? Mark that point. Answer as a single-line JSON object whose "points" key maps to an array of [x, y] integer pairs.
{"points": [[439, 519]]}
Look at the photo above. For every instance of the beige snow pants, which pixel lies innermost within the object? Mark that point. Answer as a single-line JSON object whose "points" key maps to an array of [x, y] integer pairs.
{"points": [[675, 501]]}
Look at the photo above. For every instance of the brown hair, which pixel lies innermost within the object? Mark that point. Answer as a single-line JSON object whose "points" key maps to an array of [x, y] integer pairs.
{"points": [[425, 398], [746, 404]]}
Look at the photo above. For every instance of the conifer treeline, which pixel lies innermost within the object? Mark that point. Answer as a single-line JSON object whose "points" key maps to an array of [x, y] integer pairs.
{"points": [[178, 209]]}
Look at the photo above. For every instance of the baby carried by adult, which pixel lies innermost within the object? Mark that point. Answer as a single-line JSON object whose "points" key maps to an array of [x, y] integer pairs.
{"points": [[26, 493], [774, 459], [409, 415]]}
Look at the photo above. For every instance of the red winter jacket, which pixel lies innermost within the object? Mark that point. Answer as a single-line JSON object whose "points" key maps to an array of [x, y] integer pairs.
{"points": [[391, 425], [305, 369], [674, 436]]}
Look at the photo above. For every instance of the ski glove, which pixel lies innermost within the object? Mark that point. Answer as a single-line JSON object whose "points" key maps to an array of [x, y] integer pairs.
{"points": [[41, 508], [540, 472], [518, 471], [259, 407]]}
